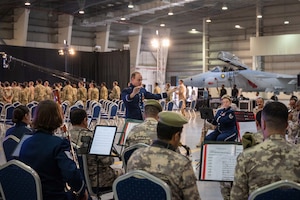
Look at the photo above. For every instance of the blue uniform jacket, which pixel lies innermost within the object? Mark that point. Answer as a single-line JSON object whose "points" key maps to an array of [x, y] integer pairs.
{"points": [[18, 130], [135, 106], [226, 123], [50, 157]]}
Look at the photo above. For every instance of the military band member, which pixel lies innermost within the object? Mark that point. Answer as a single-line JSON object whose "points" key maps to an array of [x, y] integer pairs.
{"points": [[162, 160], [16, 91], [106, 174], [48, 91], [93, 92], [225, 122], [293, 119], [134, 95], [272, 160], [23, 95], [146, 131]]}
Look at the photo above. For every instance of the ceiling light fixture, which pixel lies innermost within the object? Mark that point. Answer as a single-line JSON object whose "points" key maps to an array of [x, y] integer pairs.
{"points": [[259, 16], [238, 26], [224, 7], [130, 5], [123, 18], [194, 31], [208, 20], [286, 22], [27, 3], [170, 12], [162, 25], [81, 12]]}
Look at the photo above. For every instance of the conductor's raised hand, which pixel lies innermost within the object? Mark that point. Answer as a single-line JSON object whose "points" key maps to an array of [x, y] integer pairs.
{"points": [[135, 91]]}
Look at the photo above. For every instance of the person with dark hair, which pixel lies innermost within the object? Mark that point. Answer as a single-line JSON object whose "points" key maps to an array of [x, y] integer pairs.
{"points": [[234, 92], [145, 132], [260, 103], [272, 160], [223, 91], [103, 91], [156, 88], [21, 118], [93, 92], [134, 95], [162, 160], [50, 156], [68, 94], [106, 174]]}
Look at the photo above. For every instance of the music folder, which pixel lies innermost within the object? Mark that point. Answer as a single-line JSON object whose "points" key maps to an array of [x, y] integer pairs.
{"points": [[206, 113], [17, 150], [103, 140]]}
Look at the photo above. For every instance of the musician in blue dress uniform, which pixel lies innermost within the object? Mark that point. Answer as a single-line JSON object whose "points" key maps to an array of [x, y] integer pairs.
{"points": [[225, 122], [134, 95], [50, 156]]}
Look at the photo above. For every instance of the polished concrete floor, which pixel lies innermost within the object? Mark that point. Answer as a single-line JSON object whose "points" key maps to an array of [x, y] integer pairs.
{"points": [[191, 135]]}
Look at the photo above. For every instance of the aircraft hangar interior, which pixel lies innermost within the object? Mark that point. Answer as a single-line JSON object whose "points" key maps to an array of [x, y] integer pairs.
{"points": [[253, 44]]}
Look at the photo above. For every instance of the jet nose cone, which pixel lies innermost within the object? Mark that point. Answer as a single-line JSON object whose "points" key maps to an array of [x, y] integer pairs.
{"points": [[188, 81]]}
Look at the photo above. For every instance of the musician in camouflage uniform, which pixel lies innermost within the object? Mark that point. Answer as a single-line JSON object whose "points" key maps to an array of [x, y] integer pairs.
{"points": [[162, 160], [146, 131], [106, 175], [93, 92], [272, 160]]}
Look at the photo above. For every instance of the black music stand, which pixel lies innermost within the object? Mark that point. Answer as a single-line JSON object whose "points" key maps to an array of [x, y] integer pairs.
{"points": [[205, 113]]}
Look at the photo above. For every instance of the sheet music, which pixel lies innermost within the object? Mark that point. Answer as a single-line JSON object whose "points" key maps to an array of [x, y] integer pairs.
{"points": [[103, 140], [130, 125], [219, 161]]}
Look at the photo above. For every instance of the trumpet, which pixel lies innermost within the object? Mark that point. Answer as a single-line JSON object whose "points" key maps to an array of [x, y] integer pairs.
{"points": [[187, 149]]}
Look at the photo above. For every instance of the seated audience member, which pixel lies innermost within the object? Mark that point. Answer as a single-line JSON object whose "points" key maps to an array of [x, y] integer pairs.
{"points": [[259, 104], [225, 121], [146, 131], [162, 160], [272, 160], [50, 156], [21, 118], [106, 174]]}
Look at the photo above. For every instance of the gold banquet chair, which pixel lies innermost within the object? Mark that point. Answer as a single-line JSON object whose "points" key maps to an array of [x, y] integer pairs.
{"points": [[138, 184], [280, 190], [18, 181]]}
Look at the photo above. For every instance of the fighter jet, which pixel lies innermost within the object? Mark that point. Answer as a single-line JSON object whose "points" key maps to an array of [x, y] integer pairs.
{"points": [[245, 78]]}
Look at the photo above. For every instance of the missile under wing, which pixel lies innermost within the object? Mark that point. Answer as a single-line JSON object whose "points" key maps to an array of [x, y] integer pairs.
{"points": [[245, 78]]}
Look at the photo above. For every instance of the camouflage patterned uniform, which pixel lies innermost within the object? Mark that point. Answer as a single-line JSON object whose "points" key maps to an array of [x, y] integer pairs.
{"points": [[106, 175], [39, 92], [82, 94], [94, 94], [268, 162], [67, 94], [293, 126], [115, 93], [173, 168], [103, 93], [142, 133]]}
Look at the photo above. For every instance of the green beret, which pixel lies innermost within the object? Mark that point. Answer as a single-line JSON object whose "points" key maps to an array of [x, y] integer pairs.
{"points": [[173, 119], [155, 103], [226, 96]]}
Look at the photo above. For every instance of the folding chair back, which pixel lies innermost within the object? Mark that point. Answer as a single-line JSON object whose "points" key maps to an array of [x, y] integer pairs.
{"points": [[18, 181], [9, 144]]}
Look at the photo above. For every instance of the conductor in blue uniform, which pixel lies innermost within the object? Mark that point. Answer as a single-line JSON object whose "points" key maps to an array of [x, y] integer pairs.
{"points": [[134, 95], [225, 122], [50, 156]]}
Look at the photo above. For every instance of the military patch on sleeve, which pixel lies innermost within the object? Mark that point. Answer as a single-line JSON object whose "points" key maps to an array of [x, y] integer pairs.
{"points": [[230, 116]]}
